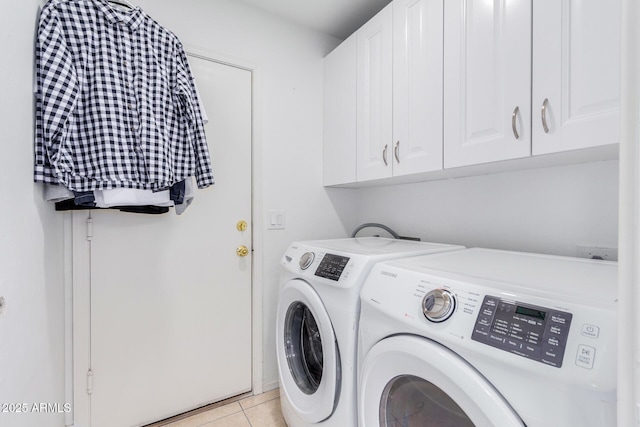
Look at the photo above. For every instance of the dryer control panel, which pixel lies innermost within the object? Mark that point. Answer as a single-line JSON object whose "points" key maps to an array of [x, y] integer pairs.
{"points": [[332, 266], [312, 263], [530, 331]]}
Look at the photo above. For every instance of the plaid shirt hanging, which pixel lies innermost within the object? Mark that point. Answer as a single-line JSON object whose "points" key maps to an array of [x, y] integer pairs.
{"points": [[116, 104]]}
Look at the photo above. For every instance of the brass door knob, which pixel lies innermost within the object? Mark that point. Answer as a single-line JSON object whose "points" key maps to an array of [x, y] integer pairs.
{"points": [[242, 251], [242, 225]]}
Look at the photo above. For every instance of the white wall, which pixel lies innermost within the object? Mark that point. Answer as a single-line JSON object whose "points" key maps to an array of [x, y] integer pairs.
{"points": [[548, 210], [31, 274], [287, 130]]}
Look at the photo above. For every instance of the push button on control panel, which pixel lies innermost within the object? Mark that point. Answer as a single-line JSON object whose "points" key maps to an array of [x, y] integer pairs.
{"points": [[585, 357], [591, 331]]}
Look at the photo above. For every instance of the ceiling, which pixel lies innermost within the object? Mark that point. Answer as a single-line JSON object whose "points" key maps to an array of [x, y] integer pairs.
{"points": [[337, 18]]}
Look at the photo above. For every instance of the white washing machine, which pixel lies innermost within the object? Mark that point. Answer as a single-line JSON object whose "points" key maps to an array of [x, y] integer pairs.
{"points": [[317, 324], [490, 339]]}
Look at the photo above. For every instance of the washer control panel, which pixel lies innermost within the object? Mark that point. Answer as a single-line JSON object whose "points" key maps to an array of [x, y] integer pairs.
{"points": [[530, 331], [331, 266]]}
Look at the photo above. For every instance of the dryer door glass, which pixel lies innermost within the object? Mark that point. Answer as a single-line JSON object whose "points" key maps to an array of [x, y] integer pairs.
{"points": [[411, 401], [303, 347]]}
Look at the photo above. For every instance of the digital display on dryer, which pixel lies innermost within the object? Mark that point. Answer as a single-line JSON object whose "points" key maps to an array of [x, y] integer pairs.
{"points": [[332, 266], [537, 314]]}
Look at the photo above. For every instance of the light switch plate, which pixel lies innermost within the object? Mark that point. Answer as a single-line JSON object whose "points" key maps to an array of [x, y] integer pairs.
{"points": [[275, 220]]}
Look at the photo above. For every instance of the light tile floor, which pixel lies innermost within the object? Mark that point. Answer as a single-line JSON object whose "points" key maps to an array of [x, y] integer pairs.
{"points": [[262, 410]]}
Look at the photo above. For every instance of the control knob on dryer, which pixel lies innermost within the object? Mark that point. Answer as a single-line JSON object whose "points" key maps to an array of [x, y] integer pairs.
{"points": [[438, 305], [306, 260]]}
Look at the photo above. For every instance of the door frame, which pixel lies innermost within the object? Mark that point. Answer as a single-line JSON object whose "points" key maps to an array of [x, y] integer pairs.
{"points": [[77, 268]]}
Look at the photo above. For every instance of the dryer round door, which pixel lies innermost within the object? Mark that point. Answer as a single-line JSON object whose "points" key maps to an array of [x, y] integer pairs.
{"points": [[408, 380], [308, 358]]}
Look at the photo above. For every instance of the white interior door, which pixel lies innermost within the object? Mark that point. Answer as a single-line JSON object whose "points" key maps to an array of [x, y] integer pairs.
{"points": [[170, 298]]}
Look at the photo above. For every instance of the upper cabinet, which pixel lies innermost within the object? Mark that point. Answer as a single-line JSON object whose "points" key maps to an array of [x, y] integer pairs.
{"points": [[487, 81], [374, 97], [417, 86], [399, 90], [383, 96], [339, 166], [523, 78], [576, 74], [434, 85]]}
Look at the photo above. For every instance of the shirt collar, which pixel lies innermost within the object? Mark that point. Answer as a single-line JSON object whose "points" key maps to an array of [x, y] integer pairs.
{"points": [[133, 18]]}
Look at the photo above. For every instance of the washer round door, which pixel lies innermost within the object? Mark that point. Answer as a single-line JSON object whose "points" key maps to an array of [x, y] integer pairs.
{"points": [[308, 358], [408, 380]]}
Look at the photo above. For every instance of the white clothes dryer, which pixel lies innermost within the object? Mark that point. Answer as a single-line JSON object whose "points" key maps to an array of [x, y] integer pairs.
{"points": [[488, 338], [317, 324]]}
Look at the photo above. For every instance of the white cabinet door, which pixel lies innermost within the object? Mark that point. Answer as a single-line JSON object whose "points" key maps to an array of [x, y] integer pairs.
{"points": [[339, 163], [487, 81], [417, 86], [374, 94], [576, 67]]}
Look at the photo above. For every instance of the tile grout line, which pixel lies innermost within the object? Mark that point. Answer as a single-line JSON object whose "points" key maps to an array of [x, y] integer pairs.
{"points": [[276, 396], [248, 420], [261, 403], [222, 418], [255, 406]]}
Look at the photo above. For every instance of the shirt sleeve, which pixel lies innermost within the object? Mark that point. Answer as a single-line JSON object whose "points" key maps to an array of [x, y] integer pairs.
{"points": [[56, 93], [188, 95]]}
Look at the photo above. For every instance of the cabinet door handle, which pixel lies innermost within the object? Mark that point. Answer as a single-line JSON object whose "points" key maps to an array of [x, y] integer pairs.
{"points": [[514, 118], [384, 154], [396, 151], [543, 112]]}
